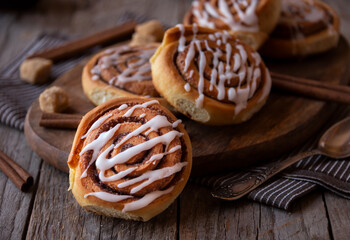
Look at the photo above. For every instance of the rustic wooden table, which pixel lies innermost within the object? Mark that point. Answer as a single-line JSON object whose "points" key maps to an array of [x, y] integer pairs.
{"points": [[49, 211]]}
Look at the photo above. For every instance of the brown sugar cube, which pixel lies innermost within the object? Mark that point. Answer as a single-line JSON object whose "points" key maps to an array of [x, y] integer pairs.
{"points": [[153, 28], [138, 39], [35, 70], [53, 99], [149, 32]]}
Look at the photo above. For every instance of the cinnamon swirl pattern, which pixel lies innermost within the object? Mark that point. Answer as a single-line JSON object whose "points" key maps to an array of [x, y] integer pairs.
{"points": [[130, 159], [209, 75], [250, 20], [305, 27], [122, 71]]}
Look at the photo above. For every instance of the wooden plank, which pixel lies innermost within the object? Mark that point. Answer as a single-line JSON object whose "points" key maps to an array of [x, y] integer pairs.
{"points": [[56, 215], [203, 217], [14, 204], [163, 226], [338, 210], [308, 220]]}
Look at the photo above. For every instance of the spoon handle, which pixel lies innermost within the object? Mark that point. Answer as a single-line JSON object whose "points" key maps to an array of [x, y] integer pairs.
{"points": [[232, 190]]}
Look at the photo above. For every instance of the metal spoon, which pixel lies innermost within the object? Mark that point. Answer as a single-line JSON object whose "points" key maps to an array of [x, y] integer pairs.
{"points": [[334, 143]]}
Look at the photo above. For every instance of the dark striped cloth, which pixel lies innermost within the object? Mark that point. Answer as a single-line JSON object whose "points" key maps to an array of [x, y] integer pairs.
{"points": [[283, 190], [16, 96]]}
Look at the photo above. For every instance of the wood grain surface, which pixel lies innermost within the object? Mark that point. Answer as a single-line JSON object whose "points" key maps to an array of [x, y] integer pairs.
{"points": [[218, 148], [49, 210]]}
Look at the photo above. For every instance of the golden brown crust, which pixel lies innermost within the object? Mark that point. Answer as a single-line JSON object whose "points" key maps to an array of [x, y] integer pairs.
{"points": [[82, 186], [168, 73], [100, 90], [304, 38], [267, 12]]}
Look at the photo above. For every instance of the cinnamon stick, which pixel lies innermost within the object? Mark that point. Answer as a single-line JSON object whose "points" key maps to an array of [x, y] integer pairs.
{"points": [[46, 115], [311, 88], [309, 82], [20, 177], [71, 48], [59, 120]]}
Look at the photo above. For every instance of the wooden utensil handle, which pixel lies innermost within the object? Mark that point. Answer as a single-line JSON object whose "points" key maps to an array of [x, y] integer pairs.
{"points": [[236, 189]]}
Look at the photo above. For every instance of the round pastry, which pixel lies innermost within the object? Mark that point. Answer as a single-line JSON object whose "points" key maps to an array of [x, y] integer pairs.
{"points": [[305, 27], [210, 76], [122, 71], [130, 159], [250, 20]]}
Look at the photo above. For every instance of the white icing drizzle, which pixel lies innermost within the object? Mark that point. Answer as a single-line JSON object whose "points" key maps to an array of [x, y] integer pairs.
{"points": [[152, 176], [142, 115], [146, 104], [161, 155], [96, 146], [134, 205], [134, 72], [117, 176], [103, 163], [182, 40], [123, 106], [236, 56], [248, 20], [109, 197], [154, 124], [97, 124], [176, 123], [202, 62], [145, 200], [191, 74], [187, 87]]}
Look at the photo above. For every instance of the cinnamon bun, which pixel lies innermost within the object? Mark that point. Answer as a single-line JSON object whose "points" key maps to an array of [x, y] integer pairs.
{"points": [[250, 20], [122, 71], [210, 76], [130, 159], [305, 27]]}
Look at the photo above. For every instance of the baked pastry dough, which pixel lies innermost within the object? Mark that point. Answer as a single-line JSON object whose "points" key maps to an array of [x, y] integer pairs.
{"points": [[130, 159], [305, 27], [209, 75], [122, 71], [250, 20]]}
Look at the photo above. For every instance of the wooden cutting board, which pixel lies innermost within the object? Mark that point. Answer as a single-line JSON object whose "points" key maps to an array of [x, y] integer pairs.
{"points": [[284, 122]]}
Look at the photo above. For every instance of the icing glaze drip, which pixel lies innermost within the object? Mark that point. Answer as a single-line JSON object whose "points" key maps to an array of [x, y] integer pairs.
{"points": [[187, 87], [109, 197], [146, 104], [137, 204], [238, 65], [237, 18], [145, 200], [97, 145], [97, 124], [104, 161], [152, 176], [125, 66]]}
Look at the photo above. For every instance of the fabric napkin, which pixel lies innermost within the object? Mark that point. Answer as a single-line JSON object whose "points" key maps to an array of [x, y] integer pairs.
{"points": [[310, 173], [16, 96]]}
